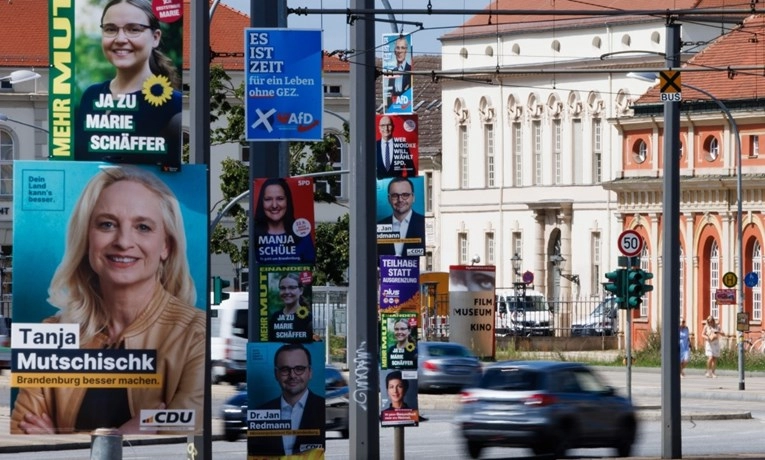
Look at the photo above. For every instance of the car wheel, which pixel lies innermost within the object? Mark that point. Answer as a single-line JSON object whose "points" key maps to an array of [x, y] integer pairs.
{"points": [[626, 438], [562, 440], [474, 449], [231, 435]]}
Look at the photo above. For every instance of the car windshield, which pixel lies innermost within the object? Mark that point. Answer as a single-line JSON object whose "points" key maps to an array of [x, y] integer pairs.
{"points": [[511, 379], [527, 303], [603, 309], [448, 350]]}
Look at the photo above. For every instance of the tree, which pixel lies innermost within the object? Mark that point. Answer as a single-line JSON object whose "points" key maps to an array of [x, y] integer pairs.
{"points": [[332, 238]]}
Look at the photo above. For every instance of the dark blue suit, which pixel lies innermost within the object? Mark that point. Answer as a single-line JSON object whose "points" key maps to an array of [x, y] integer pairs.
{"points": [[416, 229], [400, 153], [313, 419]]}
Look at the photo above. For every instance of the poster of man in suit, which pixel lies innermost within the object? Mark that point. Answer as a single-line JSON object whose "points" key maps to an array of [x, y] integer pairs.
{"points": [[397, 87], [400, 218], [396, 146]]}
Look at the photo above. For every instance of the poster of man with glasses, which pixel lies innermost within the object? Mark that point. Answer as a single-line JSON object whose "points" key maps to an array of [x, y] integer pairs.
{"points": [[286, 399], [400, 217]]}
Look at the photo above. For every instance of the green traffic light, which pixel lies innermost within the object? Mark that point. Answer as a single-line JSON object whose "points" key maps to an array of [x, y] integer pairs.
{"points": [[616, 286], [218, 285], [637, 287]]}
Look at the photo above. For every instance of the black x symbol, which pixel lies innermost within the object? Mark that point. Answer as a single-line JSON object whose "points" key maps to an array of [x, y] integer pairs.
{"points": [[671, 80]]}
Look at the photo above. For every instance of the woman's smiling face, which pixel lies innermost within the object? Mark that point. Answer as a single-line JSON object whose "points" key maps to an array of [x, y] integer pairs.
{"points": [[123, 51], [274, 203], [127, 240]]}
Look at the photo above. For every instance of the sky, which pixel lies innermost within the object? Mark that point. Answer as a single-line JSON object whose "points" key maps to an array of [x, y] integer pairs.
{"points": [[423, 41]]}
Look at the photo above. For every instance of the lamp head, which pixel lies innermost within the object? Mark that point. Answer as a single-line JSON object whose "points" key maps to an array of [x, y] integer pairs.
{"points": [[20, 76], [650, 77]]}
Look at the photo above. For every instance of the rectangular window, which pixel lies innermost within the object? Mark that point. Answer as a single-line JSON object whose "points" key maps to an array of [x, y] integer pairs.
{"points": [[517, 242], [490, 248], [428, 192], [332, 90], [462, 245], [757, 290], [644, 257], [597, 151], [463, 146], [537, 153], [244, 151], [595, 271], [429, 261], [557, 147], [578, 154], [488, 143], [6, 164], [755, 145], [518, 154]]}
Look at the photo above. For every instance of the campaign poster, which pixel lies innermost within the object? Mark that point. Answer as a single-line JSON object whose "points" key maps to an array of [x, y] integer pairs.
{"points": [[396, 146], [400, 217], [279, 377], [472, 307], [100, 108], [399, 283], [398, 398], [398, 340], [91, 239], [397, 88], [284, 91], [286, 313], [285, 230]]}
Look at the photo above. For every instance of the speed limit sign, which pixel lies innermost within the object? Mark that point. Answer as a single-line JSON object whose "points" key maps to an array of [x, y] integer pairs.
{"points": [[630, 243]]}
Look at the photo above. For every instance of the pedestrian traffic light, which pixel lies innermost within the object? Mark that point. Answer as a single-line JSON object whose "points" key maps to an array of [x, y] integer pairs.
{"points": [[218, 285], [616, 286], [637, 287]]}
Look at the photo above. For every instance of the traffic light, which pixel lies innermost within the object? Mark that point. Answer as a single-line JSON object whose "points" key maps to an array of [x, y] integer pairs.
{"points": [[616, 286], [637, 287], [218, 285]]}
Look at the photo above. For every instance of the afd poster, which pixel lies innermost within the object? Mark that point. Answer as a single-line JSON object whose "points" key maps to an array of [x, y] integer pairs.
{"points": [[472, 307], [397, 84], [280, 378], [115, 81], [111, 272], [284, 93]]}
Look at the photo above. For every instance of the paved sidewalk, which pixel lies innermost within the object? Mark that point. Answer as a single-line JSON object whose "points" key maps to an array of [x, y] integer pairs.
{"points": [[645, 391]]}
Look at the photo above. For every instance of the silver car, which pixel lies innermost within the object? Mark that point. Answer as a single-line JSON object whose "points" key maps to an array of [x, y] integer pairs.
{"points": [[446, 366], [547, 406]]}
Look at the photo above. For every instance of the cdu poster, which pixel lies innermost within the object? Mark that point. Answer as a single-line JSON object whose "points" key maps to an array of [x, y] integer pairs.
{"points": [[111, 272]]}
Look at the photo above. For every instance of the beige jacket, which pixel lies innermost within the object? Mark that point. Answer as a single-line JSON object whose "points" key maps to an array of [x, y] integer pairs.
{"points": [[175, 330]]}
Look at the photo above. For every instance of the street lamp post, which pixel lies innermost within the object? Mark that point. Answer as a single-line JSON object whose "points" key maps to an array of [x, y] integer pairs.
{"points": [[4, 117]]}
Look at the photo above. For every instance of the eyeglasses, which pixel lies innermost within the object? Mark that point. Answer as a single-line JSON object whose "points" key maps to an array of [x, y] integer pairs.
{"points": [[396, 196], [130, 30], [284, 371], [289, 288]]}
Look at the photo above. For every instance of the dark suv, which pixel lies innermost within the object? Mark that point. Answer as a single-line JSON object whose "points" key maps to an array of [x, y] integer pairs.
{"points": [[547, 406]]}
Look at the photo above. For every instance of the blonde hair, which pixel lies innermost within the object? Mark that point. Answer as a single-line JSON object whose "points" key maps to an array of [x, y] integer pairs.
{"points": [[75, 287]]}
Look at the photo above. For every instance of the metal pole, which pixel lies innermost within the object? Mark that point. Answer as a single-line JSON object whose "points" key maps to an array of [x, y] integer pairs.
{"points": [[106, 444], [363, 346], [739, 228], [671, 442], [398, 443], [199, 105]]}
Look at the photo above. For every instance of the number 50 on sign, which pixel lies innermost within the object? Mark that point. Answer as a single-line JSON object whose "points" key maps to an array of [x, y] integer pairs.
{"points": [[630, 243]]}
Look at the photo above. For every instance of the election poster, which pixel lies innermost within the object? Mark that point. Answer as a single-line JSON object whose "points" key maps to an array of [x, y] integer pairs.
{"points": [[110, 268], [115, 81], [399, 283], [284, 220], [400, 217], [286, 400], [284, 91], [398, 394], [397, 87], [285, 303], [472, 307], [398, 340], [396, 146]]}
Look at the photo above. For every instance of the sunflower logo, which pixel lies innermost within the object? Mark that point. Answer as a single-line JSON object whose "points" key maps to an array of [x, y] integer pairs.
{"points": [[157, 90], [410, 347], [302, 313]]}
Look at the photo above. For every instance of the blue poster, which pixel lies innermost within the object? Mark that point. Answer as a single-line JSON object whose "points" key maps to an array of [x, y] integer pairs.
{"points": [[284, 97], [397, 90], [400, 217]]}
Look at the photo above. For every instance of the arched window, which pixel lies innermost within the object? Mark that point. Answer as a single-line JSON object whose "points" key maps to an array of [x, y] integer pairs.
{"points": [[756, 258], [645, 259], [6, 163], [681, 283], [714, 278]]}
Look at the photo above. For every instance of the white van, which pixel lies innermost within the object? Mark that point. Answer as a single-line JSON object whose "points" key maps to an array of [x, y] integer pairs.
{"points": [[526, 313], [228, 339]]}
